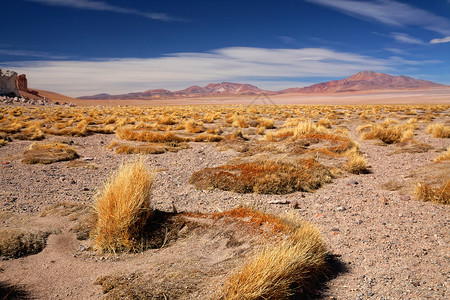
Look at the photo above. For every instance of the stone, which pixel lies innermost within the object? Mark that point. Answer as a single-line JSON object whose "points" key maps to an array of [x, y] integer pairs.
{"points": [[383, 200], [405, 197], [279, 202], [22, 83], [340, 208], [8, 85]]}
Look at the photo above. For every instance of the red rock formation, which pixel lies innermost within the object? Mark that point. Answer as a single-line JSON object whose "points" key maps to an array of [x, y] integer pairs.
{"points": [[22, 83]]}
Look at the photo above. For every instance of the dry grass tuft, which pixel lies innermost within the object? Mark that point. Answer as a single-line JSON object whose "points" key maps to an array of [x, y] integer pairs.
{"points": [[357, 164], [280, 271], [426, 192], [264, 177], [192, 126], [148, 136], [149, 148], [123, 207], [266, 123], [439, 130], [207, 137], [443, 156], [48, 153], [387, 132], [15, 243]]}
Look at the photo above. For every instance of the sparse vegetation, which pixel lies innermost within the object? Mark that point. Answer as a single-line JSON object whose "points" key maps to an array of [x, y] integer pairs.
{"points": [[123, 208], [426, 192], [444, 156], [281, 270], [387, 132], [264, 177], [47, 153], [16, 243], [439, 130]]}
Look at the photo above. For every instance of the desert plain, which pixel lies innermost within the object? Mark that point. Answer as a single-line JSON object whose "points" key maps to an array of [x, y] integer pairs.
{"points": [[369, 170]]}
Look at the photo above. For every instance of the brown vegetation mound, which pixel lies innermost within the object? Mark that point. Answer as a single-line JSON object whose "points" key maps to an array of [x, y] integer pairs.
{"points": [[264, 177], [48, 153]]}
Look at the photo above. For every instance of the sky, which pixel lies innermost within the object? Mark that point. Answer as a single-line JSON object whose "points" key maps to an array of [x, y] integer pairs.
{"points": [[86, 47]]}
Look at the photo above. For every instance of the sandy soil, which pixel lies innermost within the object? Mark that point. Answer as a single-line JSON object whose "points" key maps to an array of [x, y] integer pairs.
{"points": [[389, 245]]}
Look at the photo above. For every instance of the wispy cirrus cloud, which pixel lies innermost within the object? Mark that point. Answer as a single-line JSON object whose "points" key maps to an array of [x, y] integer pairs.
{"points": [[267, 68], [389, 12], [406, 38], [440, 41], [26, 53], [104, 6]]}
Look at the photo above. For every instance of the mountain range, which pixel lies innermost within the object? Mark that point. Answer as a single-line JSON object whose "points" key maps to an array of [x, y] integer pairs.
{"points": [[362, 81]]}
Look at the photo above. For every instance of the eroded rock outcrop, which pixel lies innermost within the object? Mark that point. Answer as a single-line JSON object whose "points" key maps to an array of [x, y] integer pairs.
{"points": [[8, 86], [22, 83]]}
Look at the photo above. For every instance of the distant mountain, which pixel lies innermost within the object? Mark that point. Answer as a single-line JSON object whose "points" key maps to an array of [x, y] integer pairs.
{"points": [[362, 81], [212, 89]]}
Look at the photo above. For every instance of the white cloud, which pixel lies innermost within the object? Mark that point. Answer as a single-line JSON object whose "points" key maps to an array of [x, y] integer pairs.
{"points": [[440, 41], [103, 6], [390, 12], [267, 68], [405, 38], [39, 54]]}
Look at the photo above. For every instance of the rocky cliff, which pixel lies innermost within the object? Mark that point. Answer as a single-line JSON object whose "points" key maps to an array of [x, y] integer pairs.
{"points": [[8, 85]]}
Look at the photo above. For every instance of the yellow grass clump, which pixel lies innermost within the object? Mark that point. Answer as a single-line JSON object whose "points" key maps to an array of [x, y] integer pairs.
{"points": [[443, 156], [266, 123], [47, 153], [300, 130], [426, 192], [280, 271], [356, 164], [148, 136], [439, 130], [123, 207], [387, 132]]}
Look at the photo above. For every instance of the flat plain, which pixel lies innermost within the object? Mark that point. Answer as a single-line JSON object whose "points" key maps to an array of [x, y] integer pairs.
{"points": [[369, 170]]}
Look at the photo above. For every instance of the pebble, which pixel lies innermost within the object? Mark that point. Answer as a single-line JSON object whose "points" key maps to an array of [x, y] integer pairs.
{"points": [[383, 200], [340, 208], [405, 198]]}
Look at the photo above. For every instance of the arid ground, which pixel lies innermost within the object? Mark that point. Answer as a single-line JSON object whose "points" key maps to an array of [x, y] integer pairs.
{"points": [[374, 152]]}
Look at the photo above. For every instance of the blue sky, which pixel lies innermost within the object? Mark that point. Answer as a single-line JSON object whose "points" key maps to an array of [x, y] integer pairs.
{"points": [[82, 47]]}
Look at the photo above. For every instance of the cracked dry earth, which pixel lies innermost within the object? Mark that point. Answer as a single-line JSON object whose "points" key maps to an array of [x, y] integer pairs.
{"points": [[390, 245]]}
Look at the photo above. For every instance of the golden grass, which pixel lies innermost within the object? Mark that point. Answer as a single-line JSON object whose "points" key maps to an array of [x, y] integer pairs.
{"points": [[294, 133], [148, 136], [443, 156], [148, 148], [207, 137], [280, 271], [387, 132], [440, 195], [123, 208], [193, 126], [357, 164], [266, 123], [264, 177], [439, 130], [47, 153]]}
